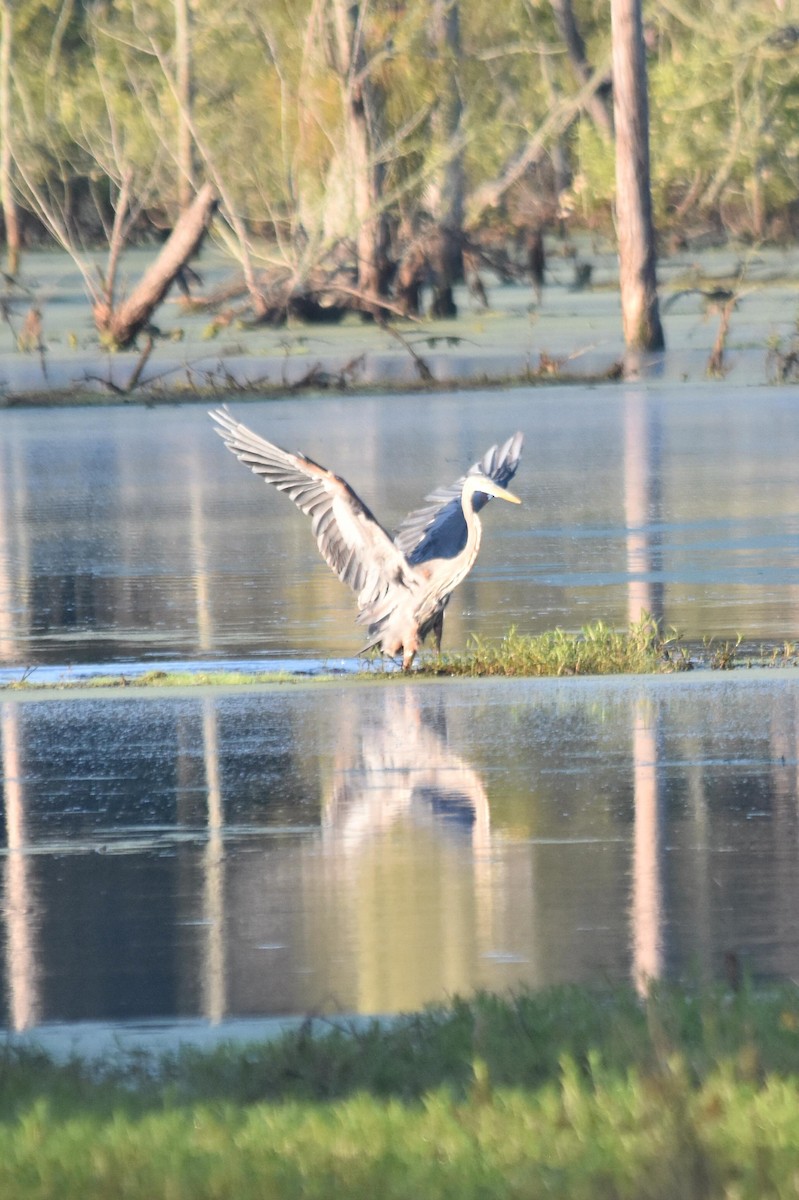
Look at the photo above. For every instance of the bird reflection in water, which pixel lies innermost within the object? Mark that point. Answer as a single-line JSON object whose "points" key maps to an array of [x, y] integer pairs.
{"points": [[407, 862], [397, 766]]}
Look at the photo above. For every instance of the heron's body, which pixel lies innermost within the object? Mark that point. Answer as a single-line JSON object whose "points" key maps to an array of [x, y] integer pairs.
{"points": [[402, 584]]}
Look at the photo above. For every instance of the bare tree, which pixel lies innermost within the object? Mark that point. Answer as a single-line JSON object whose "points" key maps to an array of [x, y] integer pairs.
{"points": [[635, 229], [445, 190], [234, 233], [361, 112], [104, 147]]}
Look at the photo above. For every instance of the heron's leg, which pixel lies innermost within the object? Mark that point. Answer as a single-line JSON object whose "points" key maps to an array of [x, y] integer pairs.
{"points": [[438, 629], [410, 646]]}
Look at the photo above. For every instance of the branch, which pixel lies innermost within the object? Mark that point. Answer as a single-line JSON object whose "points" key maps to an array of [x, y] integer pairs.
{"points": [[126, 321], [488, 195]]}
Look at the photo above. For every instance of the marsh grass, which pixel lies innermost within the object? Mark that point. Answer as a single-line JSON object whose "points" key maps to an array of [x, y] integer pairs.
{"points": [[568, 1092], [167, 679], [643, 648]]}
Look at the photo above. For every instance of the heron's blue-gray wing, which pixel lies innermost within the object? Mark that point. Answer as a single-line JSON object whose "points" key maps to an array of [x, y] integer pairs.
{"points": [[351, 541], [438, 530]]}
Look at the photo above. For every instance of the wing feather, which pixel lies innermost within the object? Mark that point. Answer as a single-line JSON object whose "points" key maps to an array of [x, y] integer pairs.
{"points": [[350, 539], [438, 530]]}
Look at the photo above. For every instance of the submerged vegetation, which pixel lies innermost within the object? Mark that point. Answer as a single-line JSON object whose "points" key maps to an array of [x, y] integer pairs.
{"points": [[568, 1092]]}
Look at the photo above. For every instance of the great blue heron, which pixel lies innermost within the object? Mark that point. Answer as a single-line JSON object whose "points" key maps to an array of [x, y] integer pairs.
{"points": [[403, 583]]}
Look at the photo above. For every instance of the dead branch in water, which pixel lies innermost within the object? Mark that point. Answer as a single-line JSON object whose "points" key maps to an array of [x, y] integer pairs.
{"points": [[135, 376], [421, 366], [715, 364]]}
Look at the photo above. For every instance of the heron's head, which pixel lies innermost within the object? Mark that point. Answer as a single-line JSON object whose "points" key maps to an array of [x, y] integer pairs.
{"points": [[486, 485]]}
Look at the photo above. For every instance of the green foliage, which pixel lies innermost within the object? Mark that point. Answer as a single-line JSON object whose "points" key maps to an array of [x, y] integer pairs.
{"points": [[594, 185], [570, 1092], [94, 98], [724, 117]]}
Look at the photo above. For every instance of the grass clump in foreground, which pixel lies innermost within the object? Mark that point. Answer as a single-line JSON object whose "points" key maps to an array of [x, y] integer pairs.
{"points": [[642, 648], [565, 1093]]}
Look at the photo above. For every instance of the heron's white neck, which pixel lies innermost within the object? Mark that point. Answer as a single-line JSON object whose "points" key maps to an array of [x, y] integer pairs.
{"points": [[474, 529]]}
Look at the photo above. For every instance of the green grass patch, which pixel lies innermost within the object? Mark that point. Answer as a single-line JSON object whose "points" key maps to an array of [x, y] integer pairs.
{"points": [[169, 679], [643, 648], [568, 1093]]}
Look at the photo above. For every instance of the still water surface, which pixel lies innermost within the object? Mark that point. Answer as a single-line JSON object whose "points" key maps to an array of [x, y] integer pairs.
{"points": [[368, 848], [133, 535], [365, 848]]}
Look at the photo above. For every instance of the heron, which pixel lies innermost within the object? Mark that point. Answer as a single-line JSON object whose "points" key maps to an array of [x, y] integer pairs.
{"points": [[403, 583]]}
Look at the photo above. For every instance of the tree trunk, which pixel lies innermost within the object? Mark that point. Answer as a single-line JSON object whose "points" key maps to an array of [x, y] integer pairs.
{"points": [[635, 230], [10, 214], [360, 115], [122, 323], [411, 269], [445, 192]]}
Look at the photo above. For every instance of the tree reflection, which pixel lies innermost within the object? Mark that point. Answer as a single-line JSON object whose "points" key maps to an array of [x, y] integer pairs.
{"points": [[645, 598], [8, 641], [19, 903], [647, 888], [214, 974], [14, 554], [199, 547], [643, 504]]}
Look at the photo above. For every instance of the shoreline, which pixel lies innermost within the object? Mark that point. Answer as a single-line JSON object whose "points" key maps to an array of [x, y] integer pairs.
{"points": [[117, 687]]}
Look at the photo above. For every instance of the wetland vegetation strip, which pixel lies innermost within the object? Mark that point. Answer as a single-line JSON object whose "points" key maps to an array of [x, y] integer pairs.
{"points": [[644, 648], [568, 1092]]}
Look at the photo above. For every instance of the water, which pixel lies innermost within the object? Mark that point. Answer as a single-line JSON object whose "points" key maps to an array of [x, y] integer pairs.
{"points": [[131, 535], [368, 849], [581, 330]]}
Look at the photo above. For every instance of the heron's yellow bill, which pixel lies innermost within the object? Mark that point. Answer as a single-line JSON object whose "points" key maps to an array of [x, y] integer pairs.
{"points": [[493, 489]]}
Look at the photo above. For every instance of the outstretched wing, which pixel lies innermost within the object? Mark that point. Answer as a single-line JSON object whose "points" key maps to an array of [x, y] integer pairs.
{"points": [[353, 544], [439, 530]]}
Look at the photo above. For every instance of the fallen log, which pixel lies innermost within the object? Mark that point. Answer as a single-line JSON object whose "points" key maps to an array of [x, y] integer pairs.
{"points": [[120, 324]]}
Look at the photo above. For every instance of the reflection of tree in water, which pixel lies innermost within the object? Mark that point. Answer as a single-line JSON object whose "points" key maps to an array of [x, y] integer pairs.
{"points": [[20, 903], [395, 764], [646, 903], [643, 506]]}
